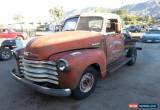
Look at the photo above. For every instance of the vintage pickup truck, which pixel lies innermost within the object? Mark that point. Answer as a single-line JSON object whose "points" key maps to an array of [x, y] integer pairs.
{"points": [[70, 62]]}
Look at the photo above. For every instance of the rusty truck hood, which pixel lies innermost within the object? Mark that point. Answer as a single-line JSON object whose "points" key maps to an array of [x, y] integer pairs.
{"points": [[43, 47]]}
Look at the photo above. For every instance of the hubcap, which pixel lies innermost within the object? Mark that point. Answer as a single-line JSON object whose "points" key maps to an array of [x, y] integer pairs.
{"points": [[5, 54], [87, 82]]}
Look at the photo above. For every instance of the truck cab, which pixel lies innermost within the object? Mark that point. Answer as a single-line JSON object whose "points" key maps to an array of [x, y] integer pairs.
{"points": [[70, 62]]}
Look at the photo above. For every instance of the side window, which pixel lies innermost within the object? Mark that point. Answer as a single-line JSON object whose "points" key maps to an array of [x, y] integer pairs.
{"points": [[111, 25], [95, 23]]}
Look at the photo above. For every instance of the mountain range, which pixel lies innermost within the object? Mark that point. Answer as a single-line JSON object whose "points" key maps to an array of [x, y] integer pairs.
{"points": [[150, 7]]}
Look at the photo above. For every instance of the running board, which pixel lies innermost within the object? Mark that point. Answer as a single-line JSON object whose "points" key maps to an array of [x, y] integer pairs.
{"points": [[117, 64]]}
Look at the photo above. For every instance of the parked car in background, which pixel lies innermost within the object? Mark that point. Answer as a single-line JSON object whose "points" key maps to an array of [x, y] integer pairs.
{"points": [[7, 33], [134, 29], [6, 47], [126, 34], [43, 27], [8, 41], [28, 28], [152, 35]]}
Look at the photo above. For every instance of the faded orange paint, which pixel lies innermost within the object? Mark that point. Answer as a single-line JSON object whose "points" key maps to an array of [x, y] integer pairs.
{"points": [[63, 44], [45, 46], [78, 63], [114, 47]]}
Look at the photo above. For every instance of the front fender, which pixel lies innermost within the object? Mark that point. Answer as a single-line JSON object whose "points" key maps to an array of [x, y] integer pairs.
{"points": [[78, 61]]}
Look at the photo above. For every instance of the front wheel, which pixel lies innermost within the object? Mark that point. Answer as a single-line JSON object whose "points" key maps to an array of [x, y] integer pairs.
{"points": [[5, 54], [86, 84]]}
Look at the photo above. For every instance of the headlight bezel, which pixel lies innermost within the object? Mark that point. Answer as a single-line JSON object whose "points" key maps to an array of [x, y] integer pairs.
{"points": [[62, 65]]}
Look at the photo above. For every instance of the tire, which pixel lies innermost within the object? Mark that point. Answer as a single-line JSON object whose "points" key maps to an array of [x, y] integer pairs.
{"points": [[132, 53], [81, 92], [5, 54]]}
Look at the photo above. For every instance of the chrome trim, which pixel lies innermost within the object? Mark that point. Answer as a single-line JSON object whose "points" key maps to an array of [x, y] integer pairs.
{"points": [[41, 80], [75, 53], [39, 71], [39, 62], [40, 75], [42, 89], [96, 44], [66, 62], [39, 66]]}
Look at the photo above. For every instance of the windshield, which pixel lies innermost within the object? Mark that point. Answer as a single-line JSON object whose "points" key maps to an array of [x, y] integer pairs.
{"points": [[85, 24], [153, 32], [70, 24]]}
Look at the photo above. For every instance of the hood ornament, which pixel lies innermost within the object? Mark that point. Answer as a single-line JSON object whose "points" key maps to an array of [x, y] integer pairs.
{"points": [[28, 54]]}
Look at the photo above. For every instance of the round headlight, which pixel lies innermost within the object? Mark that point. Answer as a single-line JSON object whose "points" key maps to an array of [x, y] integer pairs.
{"points": [[62, 65]]}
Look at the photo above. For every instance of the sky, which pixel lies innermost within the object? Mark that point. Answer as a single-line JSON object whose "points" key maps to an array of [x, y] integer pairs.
{"points": [[36, 10]]}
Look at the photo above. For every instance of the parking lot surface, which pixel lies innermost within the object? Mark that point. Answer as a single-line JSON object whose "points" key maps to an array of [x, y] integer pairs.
{"points": [[135, 84]]}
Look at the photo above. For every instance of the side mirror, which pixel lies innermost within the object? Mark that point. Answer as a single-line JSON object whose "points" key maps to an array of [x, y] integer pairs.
{"points": [[118, 27]]}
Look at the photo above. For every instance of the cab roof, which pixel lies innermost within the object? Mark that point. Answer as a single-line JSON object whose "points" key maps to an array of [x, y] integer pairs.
{"points": [[103, 15]]}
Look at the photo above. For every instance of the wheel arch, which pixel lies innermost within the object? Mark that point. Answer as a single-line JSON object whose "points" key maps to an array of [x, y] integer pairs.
{"points": [[96, 66]]}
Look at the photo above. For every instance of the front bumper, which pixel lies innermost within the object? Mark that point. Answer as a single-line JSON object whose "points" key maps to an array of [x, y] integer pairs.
{"points": [[41, 89]]}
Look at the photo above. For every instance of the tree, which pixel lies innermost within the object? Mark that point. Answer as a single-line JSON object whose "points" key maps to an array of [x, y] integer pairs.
{"points": [[121, 12], [18, 18], [57, 13], [101, 10], [131, 19], [149, 19]]}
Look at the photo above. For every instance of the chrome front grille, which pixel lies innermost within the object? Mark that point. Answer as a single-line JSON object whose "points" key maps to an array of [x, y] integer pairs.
{"points": [[39, 71]]}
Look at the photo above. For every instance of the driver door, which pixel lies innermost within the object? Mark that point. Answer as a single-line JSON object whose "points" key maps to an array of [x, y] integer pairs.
{"points": [[114, 44]]}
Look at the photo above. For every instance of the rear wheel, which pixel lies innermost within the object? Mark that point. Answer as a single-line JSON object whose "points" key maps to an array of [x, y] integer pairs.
{"points": [[132, 53], [5, 53], [86, 84]]}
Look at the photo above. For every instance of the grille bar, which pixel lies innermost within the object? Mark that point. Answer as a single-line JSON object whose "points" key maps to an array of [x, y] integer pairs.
{"points": [[39, 66], [39, 71], [39, 62], [40, 75], [41, 80]]}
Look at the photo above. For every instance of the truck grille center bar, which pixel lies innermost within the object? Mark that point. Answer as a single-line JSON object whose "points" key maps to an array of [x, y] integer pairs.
{"points": [[39, 71]]}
